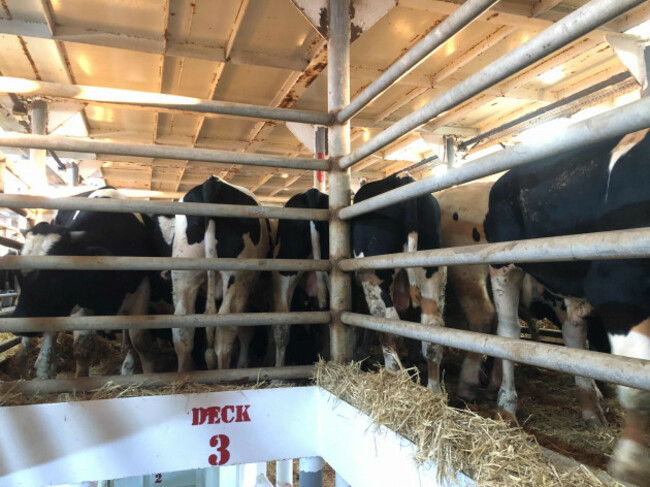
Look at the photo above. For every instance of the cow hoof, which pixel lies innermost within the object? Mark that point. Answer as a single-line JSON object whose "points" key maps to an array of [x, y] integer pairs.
{"points": [[128, 366], [630, 463], [507, 416]]}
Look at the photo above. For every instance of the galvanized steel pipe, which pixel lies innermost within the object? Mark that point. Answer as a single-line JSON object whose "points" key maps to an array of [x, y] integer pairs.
{"points": [[444, 31], [79, 144], [338, 96], [571, 27], [626, 371], [617, 244], [158, 101], [622, 120], [162, 207], [152, 322], [104, 263], [154, 381]]}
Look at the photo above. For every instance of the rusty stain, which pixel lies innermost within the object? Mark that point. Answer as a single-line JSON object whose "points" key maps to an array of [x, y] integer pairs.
{"points": [[492, 17], [6, 9], [23, 44], [324, 22]]}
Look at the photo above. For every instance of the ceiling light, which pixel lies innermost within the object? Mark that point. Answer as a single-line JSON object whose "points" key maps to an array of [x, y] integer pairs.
{"points": [[551, 76], [284, 175]]}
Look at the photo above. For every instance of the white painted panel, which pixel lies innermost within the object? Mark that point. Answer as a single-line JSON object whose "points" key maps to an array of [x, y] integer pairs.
{"points": [[52, 444]]}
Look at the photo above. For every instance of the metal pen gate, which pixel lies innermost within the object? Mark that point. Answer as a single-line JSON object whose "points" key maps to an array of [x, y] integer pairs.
{"points": [[606, 245]]}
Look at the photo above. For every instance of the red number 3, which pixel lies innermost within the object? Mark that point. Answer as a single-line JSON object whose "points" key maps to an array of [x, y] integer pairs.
{"points": [[221, 443], [158, 478]]}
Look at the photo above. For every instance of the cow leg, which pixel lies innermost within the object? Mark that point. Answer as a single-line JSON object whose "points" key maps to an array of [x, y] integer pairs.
{"points": [[283, 287], [138, 341], [245, 336], [186, 286], [630, 460], [45, 366], [377, 294], [469, 284], [506, 288], [236, 290], [210, 245], [84, 346], [574, 332], [26, 345], [432, 291]]}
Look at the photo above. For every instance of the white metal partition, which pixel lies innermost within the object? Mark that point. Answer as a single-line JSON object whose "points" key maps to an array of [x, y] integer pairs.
{"points": [[626, 119]]}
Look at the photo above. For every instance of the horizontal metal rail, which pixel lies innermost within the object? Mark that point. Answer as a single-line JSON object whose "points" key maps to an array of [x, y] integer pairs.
{"points": [[8, 295], [155, 381], [461, 18], [79, 144], [10, 242], [623, 120], [9, 344], [152, 322], [163, 207], [617, 244], [570, 28], [626, 371], [158, 101], [104, 263]]}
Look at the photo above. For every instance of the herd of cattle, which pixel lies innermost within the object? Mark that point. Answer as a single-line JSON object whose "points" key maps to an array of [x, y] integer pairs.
{"points": [[598, 188]]}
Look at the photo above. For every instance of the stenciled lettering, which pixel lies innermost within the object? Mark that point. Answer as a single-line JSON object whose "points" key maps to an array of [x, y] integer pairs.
{"points": [[221, 414]]}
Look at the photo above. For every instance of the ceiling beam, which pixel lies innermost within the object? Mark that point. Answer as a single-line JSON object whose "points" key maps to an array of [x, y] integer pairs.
{"points": [[142, 43], [216, 77], [286, 185]]}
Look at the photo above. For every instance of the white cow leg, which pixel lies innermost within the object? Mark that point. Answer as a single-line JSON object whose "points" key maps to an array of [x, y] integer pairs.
{"points": [[27, 343], [283, 289], [630, 460], [84, 346], [186, 286], [506, 287], [380, 305], [234, 301], [432, 290], [574, 332], [137, 341], [45, 366]]}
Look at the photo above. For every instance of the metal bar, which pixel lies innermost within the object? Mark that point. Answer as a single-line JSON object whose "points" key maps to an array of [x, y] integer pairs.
{"points": [[9, 344], [8, 295], [151, 322], [11, 243], [78, 144], [154, 381], [157, 101], [163, 207], [626, 371], [619, 78], [338, 89], [571, 27], [617, 244], [114, 263], [625, 119], [457, 21], [311, 472]]}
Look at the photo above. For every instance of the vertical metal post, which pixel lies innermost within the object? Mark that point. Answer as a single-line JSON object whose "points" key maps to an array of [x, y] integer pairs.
{"points": [[320, 177], [338, 96], [450, 151], [284, 473], [311, 472], [73, 174], [38, 113]]}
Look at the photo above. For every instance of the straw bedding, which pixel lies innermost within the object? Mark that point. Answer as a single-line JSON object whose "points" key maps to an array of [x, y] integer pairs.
{"points": [[490, 451]]}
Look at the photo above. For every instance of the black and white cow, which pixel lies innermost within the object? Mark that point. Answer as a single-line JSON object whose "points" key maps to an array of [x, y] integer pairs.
{"points": [[403, 227], [598, 188], [463, 211], [63, 293], [216, 237], [299, 239]]}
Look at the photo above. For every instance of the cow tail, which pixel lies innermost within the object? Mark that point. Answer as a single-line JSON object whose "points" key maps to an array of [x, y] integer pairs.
{"points": [[412, 227], [211, 188]]}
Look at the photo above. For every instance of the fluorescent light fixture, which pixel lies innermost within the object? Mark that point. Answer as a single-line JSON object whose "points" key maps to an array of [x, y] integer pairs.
{"points": [[544, 131], [551, 76], [641, 30], [412, 152]]}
